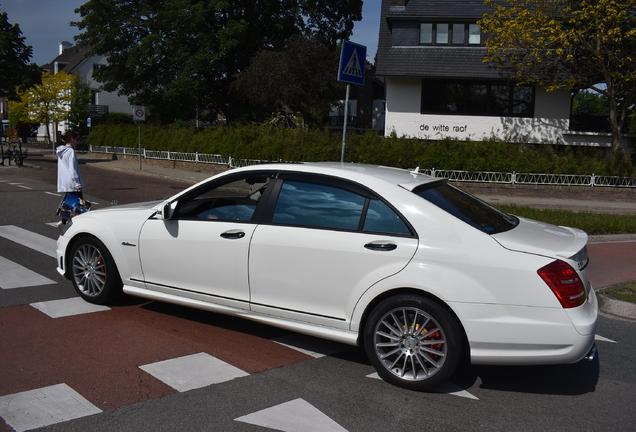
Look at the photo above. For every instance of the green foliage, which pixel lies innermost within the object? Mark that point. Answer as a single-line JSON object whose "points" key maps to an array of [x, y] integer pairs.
{"points": [[15, 69], [78, 114], [180, 57], [589, 102], [567, 44], [46, 103], [267, 142], [113, 118], [300, 79]]}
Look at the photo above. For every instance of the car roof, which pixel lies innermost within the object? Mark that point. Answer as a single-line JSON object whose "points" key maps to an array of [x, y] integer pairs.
{"points": [[408, 179]]}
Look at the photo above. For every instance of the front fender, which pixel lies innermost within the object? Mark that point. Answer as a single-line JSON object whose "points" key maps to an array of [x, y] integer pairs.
{"points": [[117, 230]]}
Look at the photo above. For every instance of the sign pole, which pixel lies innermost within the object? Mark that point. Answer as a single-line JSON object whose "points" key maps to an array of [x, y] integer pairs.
{"points": [[139, 115], [344, 127], [139, 135], [351, 71]]}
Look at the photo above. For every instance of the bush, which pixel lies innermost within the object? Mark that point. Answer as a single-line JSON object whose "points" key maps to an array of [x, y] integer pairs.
{"points": [[272, 143], [116, 119]]}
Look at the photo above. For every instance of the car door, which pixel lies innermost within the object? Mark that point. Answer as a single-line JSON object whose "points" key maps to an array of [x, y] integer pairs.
{"points": [[324, 244], [202, 250]]}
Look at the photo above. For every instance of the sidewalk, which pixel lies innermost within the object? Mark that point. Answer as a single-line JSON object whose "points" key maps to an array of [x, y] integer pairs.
{"points": [[574, 198]]}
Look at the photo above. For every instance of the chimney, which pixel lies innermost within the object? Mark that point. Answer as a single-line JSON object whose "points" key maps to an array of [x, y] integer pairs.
{"points": [[63, 46]]}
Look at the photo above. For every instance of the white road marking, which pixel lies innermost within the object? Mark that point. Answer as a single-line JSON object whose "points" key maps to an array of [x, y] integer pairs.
{"points": [[54, 194], [43, 407], [13, 275], [297, 415], [67, 307], [193, 371], [447, 388], [29, 239], [311, 346], [603, 339]]}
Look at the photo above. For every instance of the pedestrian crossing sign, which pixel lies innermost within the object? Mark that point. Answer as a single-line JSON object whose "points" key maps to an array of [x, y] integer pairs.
{"points": [[352, 63]]}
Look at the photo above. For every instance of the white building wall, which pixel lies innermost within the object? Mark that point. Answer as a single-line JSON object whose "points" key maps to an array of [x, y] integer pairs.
{"points": [[550, 124], [116, 103]]}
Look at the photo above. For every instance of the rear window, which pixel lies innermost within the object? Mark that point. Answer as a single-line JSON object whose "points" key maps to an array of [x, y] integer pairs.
{"points": [[466, 207]]}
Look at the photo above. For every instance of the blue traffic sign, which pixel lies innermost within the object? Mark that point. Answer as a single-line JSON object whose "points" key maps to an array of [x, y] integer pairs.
{"points": [[353, 58]]}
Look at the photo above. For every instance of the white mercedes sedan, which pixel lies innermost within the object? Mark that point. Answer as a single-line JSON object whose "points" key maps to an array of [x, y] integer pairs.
{"points": [[406, 265]]}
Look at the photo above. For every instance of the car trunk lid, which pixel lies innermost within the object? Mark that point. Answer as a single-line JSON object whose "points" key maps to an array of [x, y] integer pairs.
{"points": [[541, 238]]}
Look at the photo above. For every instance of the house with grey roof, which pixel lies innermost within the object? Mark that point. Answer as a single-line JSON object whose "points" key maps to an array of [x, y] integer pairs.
{"points": [[72, 59], [431, 55]]}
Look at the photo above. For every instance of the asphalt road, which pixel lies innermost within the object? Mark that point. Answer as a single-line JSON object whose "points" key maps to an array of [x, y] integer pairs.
{"points": [[111, 359]]}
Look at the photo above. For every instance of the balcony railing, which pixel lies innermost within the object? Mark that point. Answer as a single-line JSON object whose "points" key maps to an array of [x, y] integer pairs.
{"points": [[96, 109], [339, 120]]}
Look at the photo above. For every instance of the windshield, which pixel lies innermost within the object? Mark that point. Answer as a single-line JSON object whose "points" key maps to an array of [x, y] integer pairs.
{"points": [[466, 207]]}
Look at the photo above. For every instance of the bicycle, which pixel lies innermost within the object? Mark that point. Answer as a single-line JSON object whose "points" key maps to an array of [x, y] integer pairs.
{"points": [[17, 155]]}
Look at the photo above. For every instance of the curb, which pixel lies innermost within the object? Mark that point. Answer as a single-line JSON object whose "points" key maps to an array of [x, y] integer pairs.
{"points": [[615, 307], [612, 238]]}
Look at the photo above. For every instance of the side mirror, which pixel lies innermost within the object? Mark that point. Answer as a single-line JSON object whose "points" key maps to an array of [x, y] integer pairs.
{"points": [[165, 213]]}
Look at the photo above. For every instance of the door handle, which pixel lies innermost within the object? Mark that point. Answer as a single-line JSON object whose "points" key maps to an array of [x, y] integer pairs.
{"points": [[233, 234], [381, 246]]}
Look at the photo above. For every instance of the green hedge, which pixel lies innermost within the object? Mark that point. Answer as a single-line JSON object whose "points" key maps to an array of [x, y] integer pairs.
{"points": [[273, 143]]}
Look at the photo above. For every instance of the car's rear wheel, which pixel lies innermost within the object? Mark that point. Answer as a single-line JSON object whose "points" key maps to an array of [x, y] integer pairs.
{"points": [[413, 342], [93, 272]]}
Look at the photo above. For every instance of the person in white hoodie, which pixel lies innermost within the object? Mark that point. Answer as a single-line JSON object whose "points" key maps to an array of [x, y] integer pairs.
{"points": [[69, 179]]}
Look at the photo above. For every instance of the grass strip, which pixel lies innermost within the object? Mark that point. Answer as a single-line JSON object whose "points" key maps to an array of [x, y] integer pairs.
{"points": [[591, 223], [625, 293]]}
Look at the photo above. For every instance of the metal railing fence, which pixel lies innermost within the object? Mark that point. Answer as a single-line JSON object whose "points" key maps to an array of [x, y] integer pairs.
{"points": [[590, 180]]}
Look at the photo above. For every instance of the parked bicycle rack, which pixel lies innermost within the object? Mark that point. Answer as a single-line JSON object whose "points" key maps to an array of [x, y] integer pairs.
{"points": [[13, 153]]}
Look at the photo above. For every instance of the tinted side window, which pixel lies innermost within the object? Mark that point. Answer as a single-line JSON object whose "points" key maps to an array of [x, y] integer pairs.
{"points": [[317, 205], [468, 208], [235, 200], [380, 218]]}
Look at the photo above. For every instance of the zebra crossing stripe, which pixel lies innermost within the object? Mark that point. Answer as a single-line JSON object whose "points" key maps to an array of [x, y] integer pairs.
{"points": [[29, 239], [44, 407], [297, 415], [13, 275]]}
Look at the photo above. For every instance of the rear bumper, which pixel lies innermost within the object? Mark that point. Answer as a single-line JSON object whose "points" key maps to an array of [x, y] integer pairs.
{"points": [[517, 335]]}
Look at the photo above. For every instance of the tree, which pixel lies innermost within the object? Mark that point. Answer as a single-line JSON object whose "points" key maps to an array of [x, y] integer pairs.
{"points": [[15, 69], [49, 102], [301, 79], [180, 57], [568, 44], [81, 96], [588, 102]]}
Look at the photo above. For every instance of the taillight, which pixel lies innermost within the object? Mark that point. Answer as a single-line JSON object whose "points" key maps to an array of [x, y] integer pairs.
{"points": [[564, 282]]}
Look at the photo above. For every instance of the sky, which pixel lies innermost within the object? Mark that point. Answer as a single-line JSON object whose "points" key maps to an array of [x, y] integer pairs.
{"points": [[45, 23]]}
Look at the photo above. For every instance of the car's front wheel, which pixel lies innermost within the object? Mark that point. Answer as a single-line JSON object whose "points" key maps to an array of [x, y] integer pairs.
{"points": [[93, 272], [413, 342]]}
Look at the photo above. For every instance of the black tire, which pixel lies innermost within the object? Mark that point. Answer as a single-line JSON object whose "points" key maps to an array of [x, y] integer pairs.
{"points": [[413, 342], [93, 272]]}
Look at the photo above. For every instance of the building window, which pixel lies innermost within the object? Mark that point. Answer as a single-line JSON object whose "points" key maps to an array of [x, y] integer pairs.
{"points": [[441, 34], [474, 34], [458, 34], [476, 98], [449, 33], [426, 33]]}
